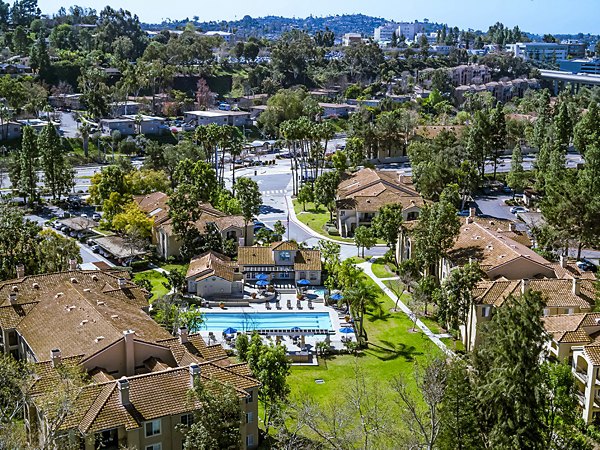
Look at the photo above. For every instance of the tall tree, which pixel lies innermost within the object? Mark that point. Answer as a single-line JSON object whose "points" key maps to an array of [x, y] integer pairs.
{"points": [[360, 297], [388, 224], [516, 178], [499, 134], [364, 238], [248, 195], [58, 174], [325, 190], [28, 162]]}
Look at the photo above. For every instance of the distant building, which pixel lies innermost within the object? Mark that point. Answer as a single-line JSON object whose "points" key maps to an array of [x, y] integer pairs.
{"points": [[124, 126], [470, 74], [336, 109], [407, 29], [149, 125], [589, 65], [431, 37], [124, 108], [502, 91], [226, 36], [235, 118], [385, 32], [10, 131], [351, 38], [547, 51]]}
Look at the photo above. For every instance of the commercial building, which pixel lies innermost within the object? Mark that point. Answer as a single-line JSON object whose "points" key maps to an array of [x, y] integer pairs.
{"points": [[139, 376], [588, 65], [351, 38], [547, 51], [219, 117], [385, 32]]}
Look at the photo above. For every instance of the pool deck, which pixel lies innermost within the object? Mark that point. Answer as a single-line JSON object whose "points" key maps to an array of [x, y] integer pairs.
{"points": [[336, 318]]}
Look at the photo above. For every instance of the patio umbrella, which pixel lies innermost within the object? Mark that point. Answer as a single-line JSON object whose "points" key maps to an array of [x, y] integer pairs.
{"points": [[230, 330], [303, 282], [262, 283], [347, 330], [337, 296], [296, 329], [262, 276]]}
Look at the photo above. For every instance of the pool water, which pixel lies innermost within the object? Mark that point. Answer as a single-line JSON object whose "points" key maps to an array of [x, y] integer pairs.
{"points": [[219, 321], [320, 292]]}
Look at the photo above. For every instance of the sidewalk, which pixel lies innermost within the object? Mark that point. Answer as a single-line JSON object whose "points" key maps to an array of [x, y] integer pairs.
{"points": [[366, 266]]}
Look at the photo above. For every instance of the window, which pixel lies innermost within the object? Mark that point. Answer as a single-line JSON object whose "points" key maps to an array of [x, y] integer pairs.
{"points": [[187, 419], [485, 311], [250, 440], [154, 446], [153, 428], [250, 397], [249, 417], [313, 276], [285, 256]]}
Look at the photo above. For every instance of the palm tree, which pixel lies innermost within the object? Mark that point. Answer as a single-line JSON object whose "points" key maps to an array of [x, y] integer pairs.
{"points": [[359, 298], [84, 131]]}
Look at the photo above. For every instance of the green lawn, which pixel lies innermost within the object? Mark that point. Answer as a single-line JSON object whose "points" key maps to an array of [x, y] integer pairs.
{"points": [[393, 350], [382, 269], [315, 218], [169, 267], [454, 345], [432, 325], [156, 279]]}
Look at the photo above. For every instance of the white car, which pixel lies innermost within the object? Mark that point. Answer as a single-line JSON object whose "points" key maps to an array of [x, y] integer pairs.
{"points": [[518, 210], [96, 217]]}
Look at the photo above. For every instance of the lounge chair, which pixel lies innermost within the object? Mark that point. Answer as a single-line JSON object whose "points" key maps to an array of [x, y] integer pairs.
{"points": [[278, 305], [298, 304], [289, 304], [310, 305], [268, 305]]}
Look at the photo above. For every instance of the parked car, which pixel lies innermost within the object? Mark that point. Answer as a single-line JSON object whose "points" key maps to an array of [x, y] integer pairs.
{"points": [[84, 216], [96, 217], [96, 248], [258, 225], [586, 265], [57, 225], [518, 210]]}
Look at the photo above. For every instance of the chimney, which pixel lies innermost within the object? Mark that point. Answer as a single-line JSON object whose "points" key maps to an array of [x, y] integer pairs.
{"points": [[122, 283], [129, 352], [469, 220], [195, 372], [512, 227], [563, 261], [72, 264], [183, 335], [12, 298], [241, 242], [20, 271], [123, 385], [576, 286], [524, 286], [55, 357], [472, 212]]}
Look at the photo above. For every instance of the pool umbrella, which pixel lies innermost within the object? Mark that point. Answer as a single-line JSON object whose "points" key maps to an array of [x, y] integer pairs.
{"points": [[230, 330], [262, 276], [337, 296], [303, 282], [296, 329], [262, 283], [346, 330]]}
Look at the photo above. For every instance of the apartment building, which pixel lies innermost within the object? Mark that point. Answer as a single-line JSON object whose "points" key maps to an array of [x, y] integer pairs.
{"points": [[139, 376], [351, 38], [361, 196], [574, 340], [470, 74], [547, 51], [502, 91]]}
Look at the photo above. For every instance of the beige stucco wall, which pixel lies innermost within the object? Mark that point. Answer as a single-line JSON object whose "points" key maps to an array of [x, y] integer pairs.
{"points": [[212, 286]]}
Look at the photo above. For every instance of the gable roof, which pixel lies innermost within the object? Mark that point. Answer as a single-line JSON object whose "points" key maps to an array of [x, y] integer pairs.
{"points": [[211, 264], [491, 247]]}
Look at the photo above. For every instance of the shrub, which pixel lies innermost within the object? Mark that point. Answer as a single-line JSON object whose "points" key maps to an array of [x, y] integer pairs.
{"points": [[333, 231]]}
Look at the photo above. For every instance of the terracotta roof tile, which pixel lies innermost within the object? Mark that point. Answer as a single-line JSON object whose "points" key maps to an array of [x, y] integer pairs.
{"points": [[255, 256], [593, 353], [209, 264], [308, 260]]}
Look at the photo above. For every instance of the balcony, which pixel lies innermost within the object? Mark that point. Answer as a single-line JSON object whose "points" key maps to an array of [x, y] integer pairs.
{"points": [[580, 398]]}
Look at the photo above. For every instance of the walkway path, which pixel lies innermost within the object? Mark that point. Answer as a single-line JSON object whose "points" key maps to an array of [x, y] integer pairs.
{"points": [[366, 266]]}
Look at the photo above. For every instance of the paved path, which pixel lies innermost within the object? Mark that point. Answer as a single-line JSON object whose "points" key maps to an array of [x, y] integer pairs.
{"points": [[366, 266]]}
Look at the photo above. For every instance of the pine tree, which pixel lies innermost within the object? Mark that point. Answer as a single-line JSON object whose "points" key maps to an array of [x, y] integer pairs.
{"points": [[516, 178], [499, 135]]}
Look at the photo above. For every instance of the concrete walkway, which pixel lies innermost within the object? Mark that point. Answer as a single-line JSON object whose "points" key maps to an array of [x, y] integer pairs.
{"points": [[366, 266]]}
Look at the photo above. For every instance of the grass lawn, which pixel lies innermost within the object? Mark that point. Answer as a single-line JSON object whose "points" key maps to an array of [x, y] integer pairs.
{"points": [[452, 344], [315, 218], [393, 350], [156, 279], [169, 267], [432, 324], [381, 269]]}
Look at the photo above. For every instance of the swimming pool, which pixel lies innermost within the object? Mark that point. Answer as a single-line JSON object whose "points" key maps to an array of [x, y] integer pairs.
{"points": [[219, 321], [320, 292]]}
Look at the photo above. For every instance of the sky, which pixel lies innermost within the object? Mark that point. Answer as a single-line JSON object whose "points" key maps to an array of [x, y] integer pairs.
{"points": [[537, 16]]}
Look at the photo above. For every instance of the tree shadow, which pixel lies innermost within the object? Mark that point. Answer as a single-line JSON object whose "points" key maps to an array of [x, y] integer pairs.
{"points": [[393, 351]]}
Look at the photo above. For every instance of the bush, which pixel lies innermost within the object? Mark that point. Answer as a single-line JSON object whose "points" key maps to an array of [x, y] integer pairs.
{"points": [[139, 266], [333, 231]]}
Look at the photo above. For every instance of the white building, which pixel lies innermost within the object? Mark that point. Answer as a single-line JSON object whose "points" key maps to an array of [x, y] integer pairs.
{"points": [[149, 124], [226, 36], [351, 38], [539, 51], [410, 29], [124, 126], [123, 108], [385, 32], [235, 118]]}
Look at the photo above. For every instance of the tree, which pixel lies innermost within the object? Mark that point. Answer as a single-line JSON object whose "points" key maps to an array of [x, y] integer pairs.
{"points": [[84, 132], [586, 132], [305, 195], [340, 161], [59, 176], [325, 190], [28, 165], [359, 297], [147, 181], [458, 410], [217, 426], [498, 134], [175, 281], [364, 238], [509, 375], [435, 233], [388, 224], [112, 179], [457, 300], [423, 422], [133, 222], [516, 178], [250, 199], [271, 367], [55, 252]]}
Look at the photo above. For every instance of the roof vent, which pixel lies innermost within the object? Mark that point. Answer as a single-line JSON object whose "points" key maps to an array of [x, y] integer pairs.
{"points": [[87, 290], [83, 322], [122, 283], [100, 303], [15, 288], [55, 357], [36, 286], [74, 280], [58, 295], [114, 316], [12, 297], [98, 339], [597, 320], [94, 277], [70, 308]]}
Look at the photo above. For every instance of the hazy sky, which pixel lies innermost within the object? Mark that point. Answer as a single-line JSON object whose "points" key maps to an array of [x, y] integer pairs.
{"points": [[538, 16]]}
